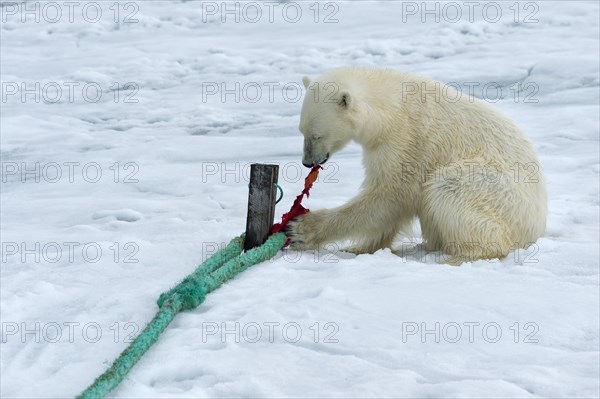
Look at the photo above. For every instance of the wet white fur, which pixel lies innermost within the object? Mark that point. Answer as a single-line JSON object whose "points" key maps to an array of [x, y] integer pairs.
{"points": [[445, 158]]}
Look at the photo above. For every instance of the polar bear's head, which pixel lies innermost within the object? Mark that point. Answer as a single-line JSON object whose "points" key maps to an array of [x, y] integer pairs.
{"points": [[328, 119]]}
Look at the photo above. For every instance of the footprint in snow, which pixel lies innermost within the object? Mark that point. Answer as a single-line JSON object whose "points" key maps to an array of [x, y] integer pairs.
{"points": [[123, 215]]}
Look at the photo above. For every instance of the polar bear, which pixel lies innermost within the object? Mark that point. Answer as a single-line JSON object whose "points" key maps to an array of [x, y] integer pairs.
{"points": [[465, 170]]}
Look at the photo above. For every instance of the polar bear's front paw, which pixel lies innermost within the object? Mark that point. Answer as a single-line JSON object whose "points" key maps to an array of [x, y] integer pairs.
{"points": [[305, 232]]}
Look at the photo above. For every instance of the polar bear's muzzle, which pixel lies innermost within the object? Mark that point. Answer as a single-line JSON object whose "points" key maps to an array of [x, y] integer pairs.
{"points": [[315, 153], [311, 164]]}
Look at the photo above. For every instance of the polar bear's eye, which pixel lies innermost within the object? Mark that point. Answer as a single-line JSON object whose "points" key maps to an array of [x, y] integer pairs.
{"points": [[317, 137]]}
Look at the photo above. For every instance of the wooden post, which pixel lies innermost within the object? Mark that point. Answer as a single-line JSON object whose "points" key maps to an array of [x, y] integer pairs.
{"points": [[261, 204]]}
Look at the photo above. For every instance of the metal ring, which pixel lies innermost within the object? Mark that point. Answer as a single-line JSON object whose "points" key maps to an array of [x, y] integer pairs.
{"points": [[280, 193]]}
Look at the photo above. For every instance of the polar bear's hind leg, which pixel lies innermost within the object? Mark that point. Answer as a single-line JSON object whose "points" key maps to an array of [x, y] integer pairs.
{"points": [[467, 217]]}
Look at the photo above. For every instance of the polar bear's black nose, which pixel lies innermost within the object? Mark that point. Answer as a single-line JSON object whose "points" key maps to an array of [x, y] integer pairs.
{"points": [[307, 165]]}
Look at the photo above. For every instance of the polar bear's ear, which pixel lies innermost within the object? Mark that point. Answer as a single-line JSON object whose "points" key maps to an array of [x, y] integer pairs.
{"points": [[345, 99], [306, 81]]}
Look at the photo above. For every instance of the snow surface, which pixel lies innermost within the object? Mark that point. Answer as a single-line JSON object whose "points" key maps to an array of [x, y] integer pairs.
{"points": [[172, 203]]}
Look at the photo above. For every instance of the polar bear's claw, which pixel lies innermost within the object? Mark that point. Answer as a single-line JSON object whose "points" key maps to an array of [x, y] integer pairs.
{"points": [[304, 232]]}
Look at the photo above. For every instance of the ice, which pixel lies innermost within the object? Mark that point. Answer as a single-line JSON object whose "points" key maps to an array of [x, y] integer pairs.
{"points": [[153, 170]]}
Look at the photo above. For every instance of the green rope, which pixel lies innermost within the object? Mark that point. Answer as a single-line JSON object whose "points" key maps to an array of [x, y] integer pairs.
{"points": [[192, 289], [188, 294]]}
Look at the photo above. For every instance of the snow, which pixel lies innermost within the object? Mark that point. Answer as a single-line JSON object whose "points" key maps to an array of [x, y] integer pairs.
{"points": [[152, 178]]}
